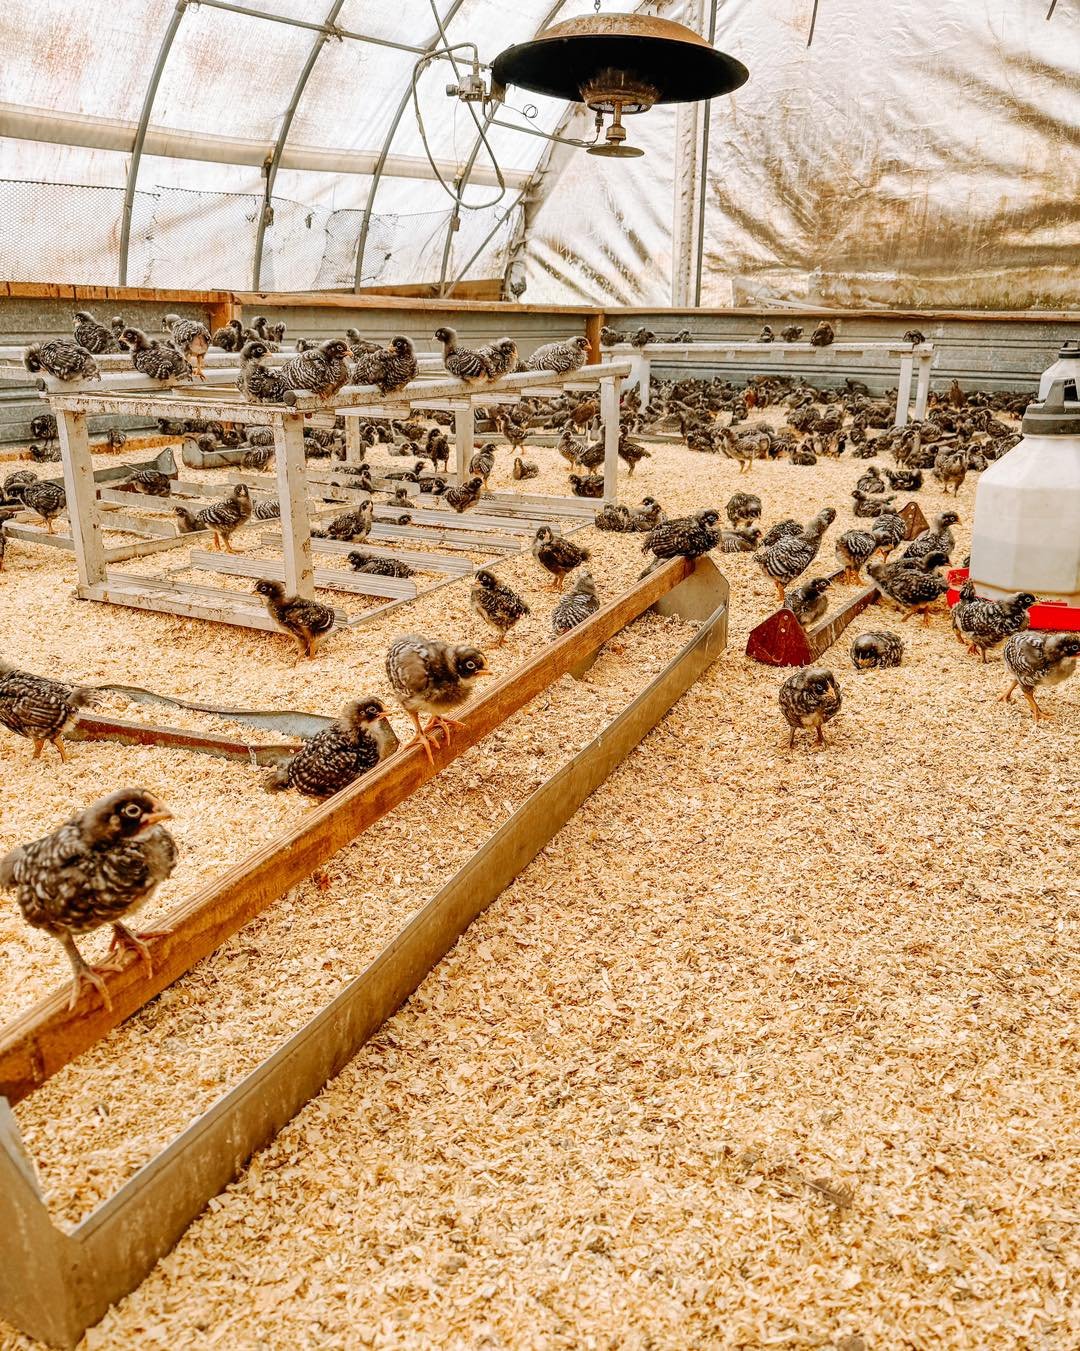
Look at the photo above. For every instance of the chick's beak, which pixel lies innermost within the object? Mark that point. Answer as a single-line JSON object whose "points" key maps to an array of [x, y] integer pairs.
{"points": [[160, 813], [483, 671]]}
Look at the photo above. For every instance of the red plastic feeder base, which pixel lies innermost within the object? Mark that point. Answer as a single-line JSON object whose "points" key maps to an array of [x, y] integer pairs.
{"points": [[1046, 614]]}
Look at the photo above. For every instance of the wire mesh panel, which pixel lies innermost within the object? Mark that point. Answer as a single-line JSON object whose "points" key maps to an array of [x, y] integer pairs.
{"points": [[401, 249], [198, 240], [294, 246], [66, 232]]}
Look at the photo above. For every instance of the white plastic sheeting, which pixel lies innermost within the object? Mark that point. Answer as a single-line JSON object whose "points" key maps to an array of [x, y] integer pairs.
{"points": [[920, 152]]}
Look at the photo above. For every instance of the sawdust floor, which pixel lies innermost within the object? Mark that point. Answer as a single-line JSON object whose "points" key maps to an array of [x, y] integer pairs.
{"points": [[768, 1048]]}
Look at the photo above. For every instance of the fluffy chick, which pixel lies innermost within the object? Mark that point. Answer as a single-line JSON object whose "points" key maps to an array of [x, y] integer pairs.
{"points": [[576, 606], [431, 676], [339, 754], [984, 624], [809, 699], [498, 605], [38, 708], [307, 622], [1036, 659], [876, 650], [557, 554]]}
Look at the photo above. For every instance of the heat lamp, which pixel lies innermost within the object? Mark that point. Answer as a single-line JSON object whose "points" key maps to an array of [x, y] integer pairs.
{"points": [[619, 65]]}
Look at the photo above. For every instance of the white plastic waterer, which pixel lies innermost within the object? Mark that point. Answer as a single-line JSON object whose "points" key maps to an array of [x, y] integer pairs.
{"points": [[1067, 368], [1026, 535]]}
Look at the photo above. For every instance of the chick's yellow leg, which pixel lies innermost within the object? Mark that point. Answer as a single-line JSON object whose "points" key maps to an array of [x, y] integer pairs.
{"points": [[422, 738], [84, 974], [125, 940], [58, 743], [39, 746], [1006, 697], [1037, 712]]}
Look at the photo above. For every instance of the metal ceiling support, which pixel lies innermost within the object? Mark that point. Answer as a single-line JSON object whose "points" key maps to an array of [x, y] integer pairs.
{"points": [[813, 21], [140, 135], [271, 168], [463, 181], [329, 28], [376, 178], [703, 180]]}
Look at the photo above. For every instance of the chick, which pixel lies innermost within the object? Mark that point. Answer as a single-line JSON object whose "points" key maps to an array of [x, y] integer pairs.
{"points": [[332, 759], [683, 537], [352, 526], [322, 370], [877, 650], [984, 624], [577, 606], [501, 356], [390, 369], [742, 541], [790, 334], [905, 480], [15, 484], [587, 485], [743, 509], [560, 357], [430, 676], [464, 495], [61, 357], [889, 529], [230, 337], [937, 539], [766, 334], [791, 555], [557, 554], [779, 531], [376, 565], [224, 518], [648, 516], [464, 363], [483, 463], [437, 448], [631, 453], [157, 360], [525, 469], [823, 335], [497, 604], [93, 336], [915, 336], [1037, 659], [642, 338], [46, 499], [151, 482], [257, 381], [950, 468], [853, 549], [869, 505], [191, 337], [306, 621], [613, 518], [807, 600], [908, 588], [99, 867], [809, 698], [38, 708], [873, 481]]}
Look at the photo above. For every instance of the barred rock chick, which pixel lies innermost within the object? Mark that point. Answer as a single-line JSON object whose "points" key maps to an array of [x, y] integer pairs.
{"points": [[151, 482], [501, 356], [908, 588], [230, 337], [766, 334], [807, 600], [38, 708], [45, 454], [353, 525], [307, 622], [99, 867], [869, 505], [790, 334], [853, 549], [1036, 659], [905, 480], [498, 605], [642, 338], [158, 360], [576, 606], [257, 381], [779, 531], [464, 495], [810, 698], [267, 509], [15, 484], [222, 517], [937, 539], [983, 624], [463, 363], [614, 519], [430, 676], [823, 335], [437, 448], [877, 650], [191, 337], [560, 357], [647, 517], [46, 499], [683, 537], [890, 530], [332, 759], [631, 453], [321, 370], [483, 463], [525, 469], [914, 336], [391, 368], [361, 346], [873, 481], [557, 554], [791, 555], [376, 565], [587, 485], [93, 336], [743, 509], [257, 457], [742, 541], [61, 357], [951, 467]]}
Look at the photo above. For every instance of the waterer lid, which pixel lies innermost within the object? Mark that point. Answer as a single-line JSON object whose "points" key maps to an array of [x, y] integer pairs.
{"points": [[1069, 351], [1054, 416]]}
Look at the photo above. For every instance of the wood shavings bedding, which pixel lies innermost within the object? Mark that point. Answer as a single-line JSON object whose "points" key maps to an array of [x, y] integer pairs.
{"points": [[768, 1048]]}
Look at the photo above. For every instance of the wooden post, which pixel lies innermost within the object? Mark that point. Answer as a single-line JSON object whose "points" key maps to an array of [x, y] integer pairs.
{"points": [[222, 309], [641, 375], [922, 389], [464, 424], [609, 420], [593, 324], [292, 494], [354, 447], [81, 498], [903, 390]]}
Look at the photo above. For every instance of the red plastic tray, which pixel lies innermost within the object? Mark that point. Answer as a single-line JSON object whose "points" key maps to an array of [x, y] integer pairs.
{"points": [[1047, 614]]}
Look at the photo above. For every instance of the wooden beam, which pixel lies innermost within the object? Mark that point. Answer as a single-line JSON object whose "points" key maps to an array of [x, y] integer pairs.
{"points": [[48, 1036], [593, 324], [326, 579]]}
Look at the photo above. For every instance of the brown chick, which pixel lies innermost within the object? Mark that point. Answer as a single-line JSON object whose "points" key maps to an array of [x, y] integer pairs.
{"points": [[307, 622], [557, 554], [430, 676]]}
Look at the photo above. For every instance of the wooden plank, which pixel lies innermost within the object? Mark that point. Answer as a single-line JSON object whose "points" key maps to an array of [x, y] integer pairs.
{"points": [[81, 493], [463, 442], [593, 324], [162, 599], [121, 553], [441, 563], [48, 1036], [609, 419], [326, 579], [292, 495], [240, 600]]}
